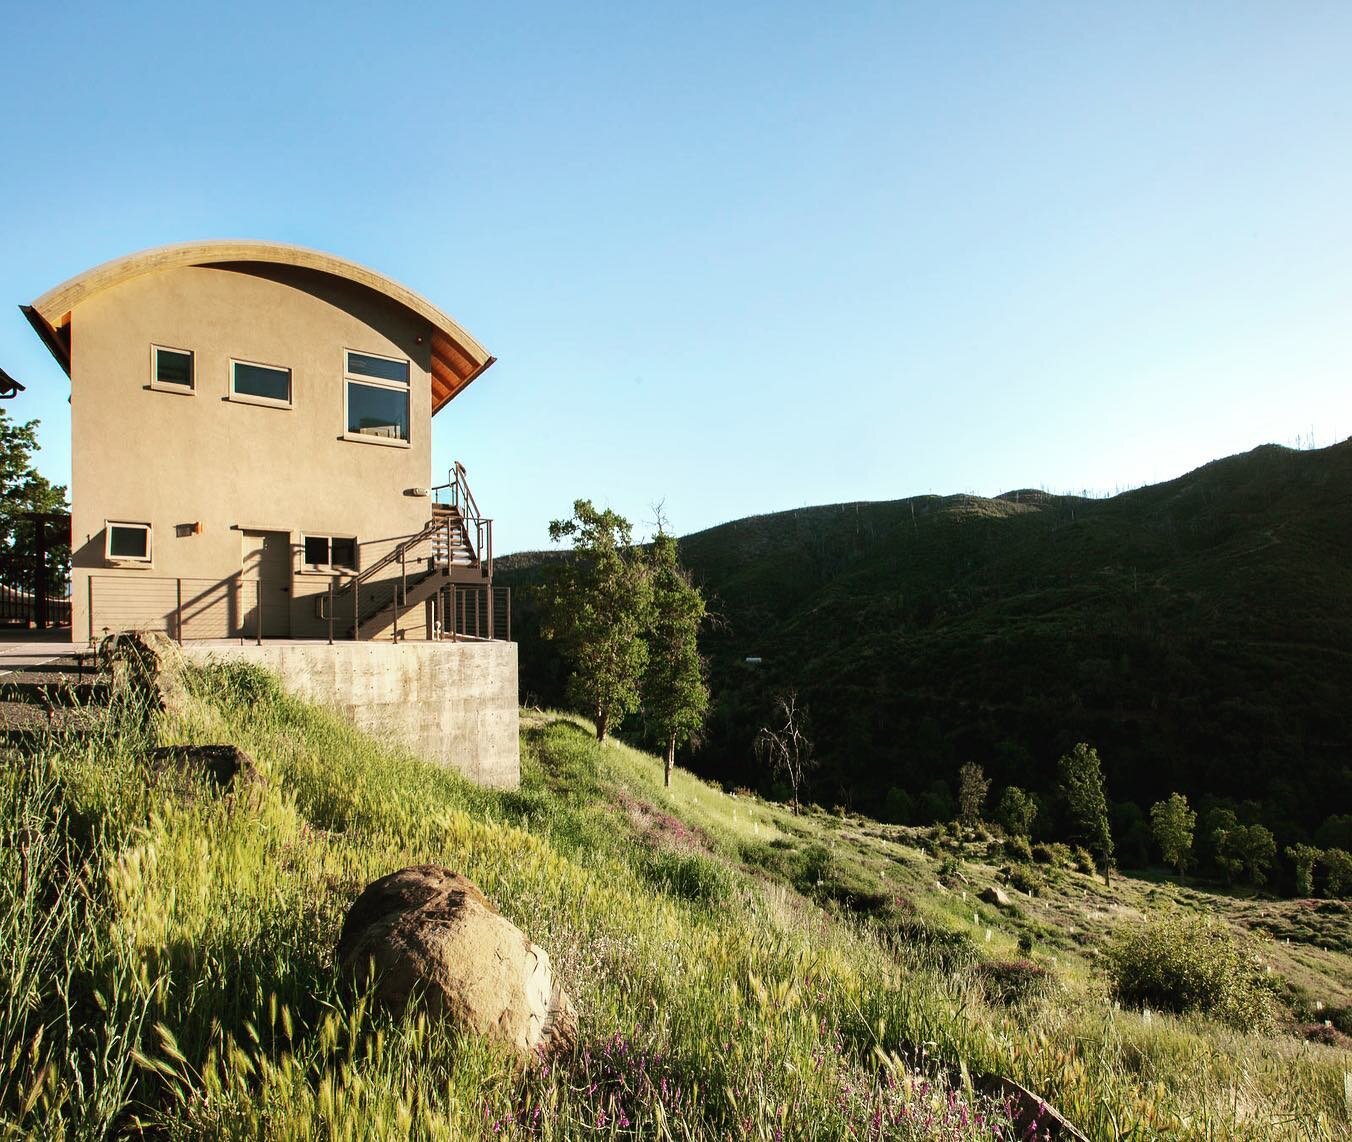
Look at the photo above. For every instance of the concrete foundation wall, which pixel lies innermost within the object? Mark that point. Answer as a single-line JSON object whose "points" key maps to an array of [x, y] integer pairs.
{"points": [[454, 703]]}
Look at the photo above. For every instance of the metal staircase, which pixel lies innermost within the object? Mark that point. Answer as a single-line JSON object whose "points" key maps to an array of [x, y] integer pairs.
{"points": [[449, 563]]}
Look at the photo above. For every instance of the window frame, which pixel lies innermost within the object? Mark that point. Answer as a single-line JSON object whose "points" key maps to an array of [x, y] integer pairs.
{"points": [[330, 568], [249, 398], [159, 386], [406, 387], [145, 560]]}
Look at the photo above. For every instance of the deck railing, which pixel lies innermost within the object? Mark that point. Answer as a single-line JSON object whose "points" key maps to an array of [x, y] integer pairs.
{"points": [[188, 609]]}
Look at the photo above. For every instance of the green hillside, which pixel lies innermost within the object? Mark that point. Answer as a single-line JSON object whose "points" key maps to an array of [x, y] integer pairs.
{"points": [[739, 972], [1198, 632]]}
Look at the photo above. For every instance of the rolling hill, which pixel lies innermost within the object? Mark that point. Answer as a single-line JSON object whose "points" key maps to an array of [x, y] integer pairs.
{"points": [[1198, 632]]}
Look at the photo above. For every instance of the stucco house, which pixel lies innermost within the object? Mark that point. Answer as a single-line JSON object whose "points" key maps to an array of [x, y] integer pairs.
{"points": [[252, 450]]}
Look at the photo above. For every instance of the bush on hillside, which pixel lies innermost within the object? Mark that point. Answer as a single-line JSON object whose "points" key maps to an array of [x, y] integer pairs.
{"points": [[1191, 965], [1056, 854], [1027, 878], [1014, 981], [1017, 848], [689, 876]]}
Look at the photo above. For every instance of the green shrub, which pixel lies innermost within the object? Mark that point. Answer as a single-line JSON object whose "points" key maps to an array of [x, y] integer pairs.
{"points": [[1014, 981], [1018, 849], [1083, 860], [1057, 855], [1191, 964], [1027, 878], [689, 876], [930, 943]]}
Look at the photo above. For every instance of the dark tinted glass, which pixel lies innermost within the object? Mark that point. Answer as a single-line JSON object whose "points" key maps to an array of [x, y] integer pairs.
{"points": [[173, 367], [377, 412], [128, 542], [364, 365], [344, 552], [317, 549], [260, 381]]}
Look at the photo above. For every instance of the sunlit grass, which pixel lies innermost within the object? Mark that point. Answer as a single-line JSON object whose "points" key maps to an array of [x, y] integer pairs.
{"points": [[173, 962]]}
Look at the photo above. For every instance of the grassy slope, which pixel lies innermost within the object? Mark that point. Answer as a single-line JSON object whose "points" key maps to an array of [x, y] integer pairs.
{"points": [[175, 949], [1196, 631]]}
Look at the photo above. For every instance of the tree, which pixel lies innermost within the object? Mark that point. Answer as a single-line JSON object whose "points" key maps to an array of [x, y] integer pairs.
{"points": [[972, 790], [787, 749], [675, 693], [1173, 822], [1304, 858], [1017, 812], [1338, 873], [1081, 775], [1245, 848], [23, 491], [598, 606]]}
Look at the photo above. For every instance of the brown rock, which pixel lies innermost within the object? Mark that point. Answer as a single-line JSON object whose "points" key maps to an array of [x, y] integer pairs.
{"points": [[228, 766], [144, 666], [435, 940], [996, 896]]}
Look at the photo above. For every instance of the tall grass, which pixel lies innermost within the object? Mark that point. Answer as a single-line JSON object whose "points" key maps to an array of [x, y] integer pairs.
{"points": [[174, 973]]}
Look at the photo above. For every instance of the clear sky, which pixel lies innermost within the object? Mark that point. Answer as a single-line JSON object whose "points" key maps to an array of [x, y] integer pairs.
{"points": [[744, 257]]}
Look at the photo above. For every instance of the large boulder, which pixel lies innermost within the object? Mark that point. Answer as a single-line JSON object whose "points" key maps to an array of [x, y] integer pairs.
{"points": [[435, 940]]}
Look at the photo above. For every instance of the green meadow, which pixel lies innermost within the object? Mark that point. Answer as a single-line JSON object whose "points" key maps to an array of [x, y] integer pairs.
{"points": [[740, 972]]}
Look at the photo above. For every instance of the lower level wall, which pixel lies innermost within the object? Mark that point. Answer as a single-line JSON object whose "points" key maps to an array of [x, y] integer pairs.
{"points": [[454, 703]]}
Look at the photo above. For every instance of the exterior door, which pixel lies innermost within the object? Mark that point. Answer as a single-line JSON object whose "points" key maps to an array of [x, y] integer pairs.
{"points": [[267, 582]]}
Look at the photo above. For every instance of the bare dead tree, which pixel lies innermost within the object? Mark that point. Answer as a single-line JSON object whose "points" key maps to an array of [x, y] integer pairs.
{"points": [[786, 749]]}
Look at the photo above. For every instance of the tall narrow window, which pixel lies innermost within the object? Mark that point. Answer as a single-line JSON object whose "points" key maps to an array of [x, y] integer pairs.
{"points": [[376, 391], [260, 384], [171, 369]]}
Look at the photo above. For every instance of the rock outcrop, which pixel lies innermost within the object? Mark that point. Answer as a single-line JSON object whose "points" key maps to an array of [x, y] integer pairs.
{"points": [[228, 767], [436, 941], [145, 667]]}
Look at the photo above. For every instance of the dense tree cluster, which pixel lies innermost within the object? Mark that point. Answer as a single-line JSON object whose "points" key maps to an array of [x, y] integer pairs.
{"points": [[627, 619]]}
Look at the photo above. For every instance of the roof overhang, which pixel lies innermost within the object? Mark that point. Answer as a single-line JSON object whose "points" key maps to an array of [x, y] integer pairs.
{"points": [[9, 387], [457, 358]]}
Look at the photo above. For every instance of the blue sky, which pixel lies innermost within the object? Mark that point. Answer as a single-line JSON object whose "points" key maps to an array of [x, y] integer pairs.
{"points": [[744, 257]]}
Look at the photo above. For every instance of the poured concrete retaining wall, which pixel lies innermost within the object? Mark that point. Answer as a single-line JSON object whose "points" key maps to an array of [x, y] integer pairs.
{"points": [[454, 703]]}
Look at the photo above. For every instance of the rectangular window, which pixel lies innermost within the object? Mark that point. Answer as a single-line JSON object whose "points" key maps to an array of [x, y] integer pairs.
{"points": [[264, 384], [171, 369], [336, 551], [376, 397], [378, 368], [128, 542], [373, 411]]}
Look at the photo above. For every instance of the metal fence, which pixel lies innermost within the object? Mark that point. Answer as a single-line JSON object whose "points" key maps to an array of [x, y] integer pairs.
{"points": [[22, 605], [181, 608], [194, 609]]}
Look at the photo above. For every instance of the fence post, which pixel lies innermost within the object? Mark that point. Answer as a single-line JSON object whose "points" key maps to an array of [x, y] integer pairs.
{"points": [[509, 614], [356, 609], [258, 606], [178, 610], [333, 579], [89, 583]]}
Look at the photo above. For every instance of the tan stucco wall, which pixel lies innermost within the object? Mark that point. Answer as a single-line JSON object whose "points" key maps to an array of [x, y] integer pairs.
{"points": [[453, 703], [171, 459]]}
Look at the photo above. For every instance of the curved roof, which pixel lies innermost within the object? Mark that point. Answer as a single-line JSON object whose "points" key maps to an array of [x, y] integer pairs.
{"points": [[457, 358]]}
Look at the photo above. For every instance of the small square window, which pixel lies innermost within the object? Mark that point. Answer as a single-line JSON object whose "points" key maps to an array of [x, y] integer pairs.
{"points": [[336, 551], [265, 383], [171, 369], [129, 542]]}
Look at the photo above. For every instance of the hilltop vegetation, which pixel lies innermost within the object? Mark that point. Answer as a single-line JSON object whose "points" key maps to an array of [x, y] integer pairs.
{"points": [[740, 971], [1197, 632]]}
